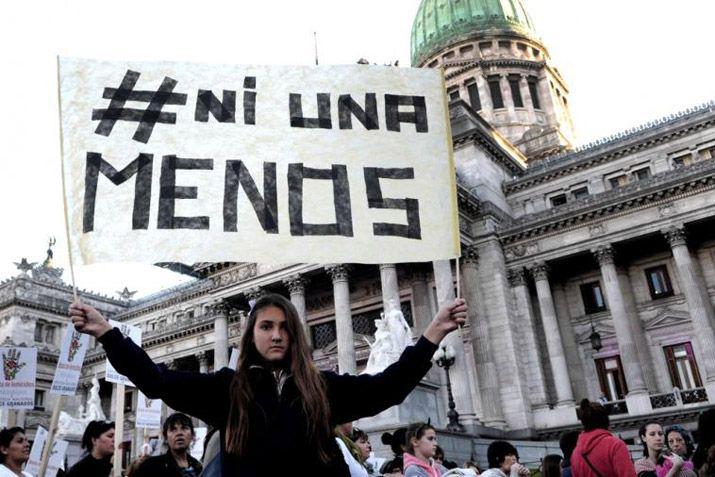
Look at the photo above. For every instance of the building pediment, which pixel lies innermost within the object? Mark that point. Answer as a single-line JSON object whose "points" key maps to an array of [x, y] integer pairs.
{"points": [[667, 319]]}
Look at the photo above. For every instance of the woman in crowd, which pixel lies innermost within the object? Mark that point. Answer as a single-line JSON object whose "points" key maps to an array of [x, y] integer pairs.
{"points": [[396, 441], [598, 453], [503, 459], [657, 461], [708, 467], [98, 442], [706, 437], [680, 442], [352, 452], [14, 452], [551, 466], [276, 403], [421, 445]]}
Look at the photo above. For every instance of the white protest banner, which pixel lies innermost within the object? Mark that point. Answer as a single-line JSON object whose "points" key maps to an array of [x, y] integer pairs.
{"points": [[69, 365], [17, 386], [189, 162], [148, 412], [33, 464], [197, 447], [134, 333], [57, 457]]}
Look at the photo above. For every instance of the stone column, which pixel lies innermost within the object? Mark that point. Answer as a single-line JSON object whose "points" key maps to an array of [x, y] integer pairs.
{"points": [[220, 311], [554, 345], [637, 398], [343, 318], [485, 366], [420, 303], [390, 286], [296, 287], [458, 372], [699, 304], [535, 373], [203, 357]]}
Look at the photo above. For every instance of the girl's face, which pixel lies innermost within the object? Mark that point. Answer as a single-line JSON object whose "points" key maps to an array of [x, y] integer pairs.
{"points": [[270, 334], [365, 447], [653, 437], [426, 445], [103, 446], [18, 450], [676, 443]]}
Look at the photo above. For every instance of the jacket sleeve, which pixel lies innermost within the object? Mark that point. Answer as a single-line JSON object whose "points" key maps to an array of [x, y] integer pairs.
{"points": [[622, 462], [205, 396], [352, 397]]}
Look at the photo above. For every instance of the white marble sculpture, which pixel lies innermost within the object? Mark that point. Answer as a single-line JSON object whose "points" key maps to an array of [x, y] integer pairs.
{"points": [[392, 336], [68, 425]]}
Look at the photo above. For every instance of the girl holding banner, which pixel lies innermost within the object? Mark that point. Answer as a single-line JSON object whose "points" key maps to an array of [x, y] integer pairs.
{"points": [[276, 411]]}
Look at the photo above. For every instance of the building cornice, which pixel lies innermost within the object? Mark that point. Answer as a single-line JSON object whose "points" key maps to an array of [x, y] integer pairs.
{"points": [[659, 188], [613, 147]]}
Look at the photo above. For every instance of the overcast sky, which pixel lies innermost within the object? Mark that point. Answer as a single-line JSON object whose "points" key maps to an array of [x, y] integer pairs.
{"points": [[626, 62]]}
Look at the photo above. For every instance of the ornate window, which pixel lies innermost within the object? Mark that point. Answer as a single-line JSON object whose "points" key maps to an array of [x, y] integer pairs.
{"points": [[474, 100], [592, 296], [39, 400], [454, 95], [323, 334], [39, 327], [516, 91], [682, 367], [659, 282], [495, 90], [618, 181], [641, 174], [611, 378], [579, 192], [557, 200], [683, 160], [534, 91]]}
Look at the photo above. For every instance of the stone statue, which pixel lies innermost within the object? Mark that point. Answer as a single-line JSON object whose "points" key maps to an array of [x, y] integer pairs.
{"points": [[392, 336], [68, 425]]}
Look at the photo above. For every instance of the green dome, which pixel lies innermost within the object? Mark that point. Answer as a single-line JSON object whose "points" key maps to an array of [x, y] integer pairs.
{"points": [[440, 23]]}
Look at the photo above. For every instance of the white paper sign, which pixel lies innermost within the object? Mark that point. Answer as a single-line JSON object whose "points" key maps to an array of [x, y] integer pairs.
{"points": [[57, 457], [69, 365], [197, 448], [135, 334], [275, 164], [17, 383], [148, 412], [33, 464], [233, 360]]}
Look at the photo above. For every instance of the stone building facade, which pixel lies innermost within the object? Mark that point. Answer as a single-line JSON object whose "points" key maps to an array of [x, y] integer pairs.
{"points": [[590, 273]]}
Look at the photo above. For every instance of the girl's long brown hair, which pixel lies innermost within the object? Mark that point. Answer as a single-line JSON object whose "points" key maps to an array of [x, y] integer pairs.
{"points": [[308, 380]]}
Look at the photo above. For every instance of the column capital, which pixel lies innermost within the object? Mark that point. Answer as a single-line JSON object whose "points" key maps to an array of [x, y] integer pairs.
{"points": [[605, 255], [296, 284], [540, 271], [516, 277], [171, 364], [338, 272], [675, 236], [470, 255], [220, 307], [387, 265], [254, 293]]}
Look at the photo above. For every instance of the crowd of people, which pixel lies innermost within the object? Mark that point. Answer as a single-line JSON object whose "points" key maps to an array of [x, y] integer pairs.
{"points": [[277, 414]]}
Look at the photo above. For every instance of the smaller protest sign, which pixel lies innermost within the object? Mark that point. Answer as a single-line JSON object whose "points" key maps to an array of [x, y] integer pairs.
{"points": [[69, 365], [17, 386], [197, 448], [57, 457], [134, 333], [233, 360], [33, 464], [148, 412]]}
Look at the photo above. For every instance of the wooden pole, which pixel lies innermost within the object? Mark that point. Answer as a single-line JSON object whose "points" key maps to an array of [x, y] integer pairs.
{"points": [[118, 428], [47, 450]]}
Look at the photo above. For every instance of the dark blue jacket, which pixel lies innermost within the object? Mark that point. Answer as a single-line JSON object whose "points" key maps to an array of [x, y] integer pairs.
{"points": [[278, 444]]}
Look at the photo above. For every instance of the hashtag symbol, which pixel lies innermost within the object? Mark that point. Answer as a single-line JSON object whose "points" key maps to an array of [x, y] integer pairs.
{"points": [[146, 118]]}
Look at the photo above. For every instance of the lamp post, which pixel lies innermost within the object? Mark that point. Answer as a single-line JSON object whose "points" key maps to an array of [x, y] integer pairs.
{"points": [[595, 338], [444, 358]]}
